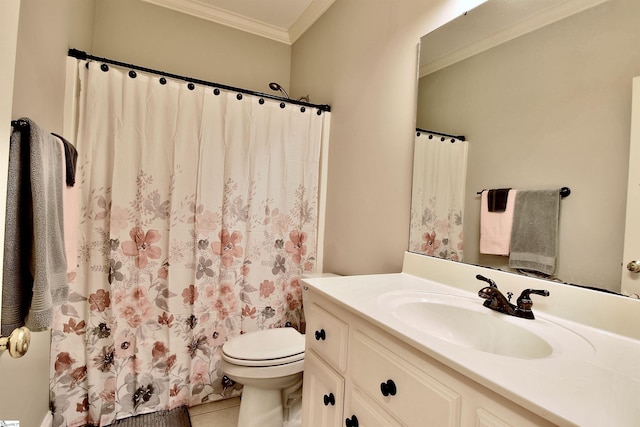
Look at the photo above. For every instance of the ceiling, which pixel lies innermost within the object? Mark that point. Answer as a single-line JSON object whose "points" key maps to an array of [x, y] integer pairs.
{"points": [[489, 25], [280, 20]]}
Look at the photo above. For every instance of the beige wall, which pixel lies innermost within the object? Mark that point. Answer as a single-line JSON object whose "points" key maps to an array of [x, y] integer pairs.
{"points": [[9, 15], [140, 33], [129, 31], [38, 92], [361, 57], [41, 56], [550, 109]]}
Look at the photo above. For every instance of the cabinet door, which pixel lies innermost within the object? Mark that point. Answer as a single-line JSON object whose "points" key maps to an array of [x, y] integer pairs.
{"points": [[322, 394], [487, 419], [368, 414], [494, 414], [327, 335], [409, 393]]}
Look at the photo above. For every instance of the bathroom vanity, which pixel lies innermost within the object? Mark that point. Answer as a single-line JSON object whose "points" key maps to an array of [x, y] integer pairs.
{"points": [[417, 348]]}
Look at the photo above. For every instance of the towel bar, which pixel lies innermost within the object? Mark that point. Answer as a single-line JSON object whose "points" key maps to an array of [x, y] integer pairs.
{"points": [[17, 342], [564, 192]]}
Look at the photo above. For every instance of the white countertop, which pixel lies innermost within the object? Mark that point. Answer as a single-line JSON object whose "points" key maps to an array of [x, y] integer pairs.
{"points": [[598, 387]]}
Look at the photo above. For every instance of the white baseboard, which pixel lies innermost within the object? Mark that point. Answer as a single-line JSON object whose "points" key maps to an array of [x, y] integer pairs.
{"points": [[47, 421]]}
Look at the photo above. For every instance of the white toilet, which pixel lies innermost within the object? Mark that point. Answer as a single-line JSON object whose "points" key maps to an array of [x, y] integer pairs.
{"points": [[268, 363]]}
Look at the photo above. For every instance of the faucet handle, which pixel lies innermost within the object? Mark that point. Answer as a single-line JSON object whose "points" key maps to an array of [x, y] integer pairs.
{"points": [[486, 279], [524, 300]]}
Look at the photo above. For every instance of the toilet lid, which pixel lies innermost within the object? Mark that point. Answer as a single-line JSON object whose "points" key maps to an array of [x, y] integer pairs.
{"points": [[279, 345]]}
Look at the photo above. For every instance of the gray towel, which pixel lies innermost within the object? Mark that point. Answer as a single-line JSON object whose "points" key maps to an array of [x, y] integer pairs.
{"points": [[17, 280], [534, 235], [35, 266]]}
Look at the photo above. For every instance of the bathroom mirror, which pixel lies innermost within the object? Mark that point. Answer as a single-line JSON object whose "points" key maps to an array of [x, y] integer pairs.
{"points": [[541, 89]]}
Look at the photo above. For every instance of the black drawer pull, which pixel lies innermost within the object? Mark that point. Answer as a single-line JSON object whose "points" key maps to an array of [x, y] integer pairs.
{"points": [[351, 422], [321, 335], [388, 388], [329, 399]]}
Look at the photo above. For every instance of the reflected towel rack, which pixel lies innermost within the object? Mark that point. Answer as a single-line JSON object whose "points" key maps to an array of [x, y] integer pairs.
{"points": [[564, 192], [459, 137]]}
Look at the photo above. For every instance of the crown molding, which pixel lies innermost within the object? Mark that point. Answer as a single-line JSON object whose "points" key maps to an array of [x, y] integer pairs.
{"points": [[224, 17], [538, 21], [311, 14], [246, 24]]}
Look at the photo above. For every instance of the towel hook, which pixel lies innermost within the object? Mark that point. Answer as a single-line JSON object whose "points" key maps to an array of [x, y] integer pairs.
{"points": [[20, 124], [17, 342]]}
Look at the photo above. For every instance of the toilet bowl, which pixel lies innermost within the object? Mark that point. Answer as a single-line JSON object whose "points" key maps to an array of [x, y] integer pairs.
{"points": [[269, 364]]}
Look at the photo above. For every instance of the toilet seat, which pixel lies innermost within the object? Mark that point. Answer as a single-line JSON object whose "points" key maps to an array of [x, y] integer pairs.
{"points": [[268, 347]]}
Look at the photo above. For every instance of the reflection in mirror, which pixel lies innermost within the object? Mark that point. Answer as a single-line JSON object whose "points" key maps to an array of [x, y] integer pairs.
{"points": [[547, 108], [437, 198]]}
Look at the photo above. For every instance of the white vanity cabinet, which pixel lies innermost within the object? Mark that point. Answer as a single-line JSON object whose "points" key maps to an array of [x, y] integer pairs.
{"points": [[377, 379], [405, 391], [325, 364]]}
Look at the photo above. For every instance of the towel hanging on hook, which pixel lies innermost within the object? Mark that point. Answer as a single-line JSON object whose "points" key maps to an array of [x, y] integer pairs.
{"points": [[20, 124]]}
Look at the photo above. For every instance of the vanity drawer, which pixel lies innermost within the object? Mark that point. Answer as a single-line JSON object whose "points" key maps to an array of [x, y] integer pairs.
{"points": [[411, 394], [327, 335]]}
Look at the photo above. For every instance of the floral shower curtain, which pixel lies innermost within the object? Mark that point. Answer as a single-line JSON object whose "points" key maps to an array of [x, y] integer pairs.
{"points": [[437, 200], [198, 214]]}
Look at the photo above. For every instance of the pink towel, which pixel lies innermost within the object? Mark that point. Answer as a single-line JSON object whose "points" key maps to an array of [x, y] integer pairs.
{"points": [[495, 227], [71, 217]]}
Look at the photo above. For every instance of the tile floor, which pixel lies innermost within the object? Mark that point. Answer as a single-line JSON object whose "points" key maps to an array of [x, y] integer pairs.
{"points": [[222, 413]]}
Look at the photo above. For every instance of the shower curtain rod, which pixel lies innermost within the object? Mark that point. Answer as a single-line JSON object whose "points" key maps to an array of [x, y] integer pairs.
{"points": [[460, 137], [79, 54]]}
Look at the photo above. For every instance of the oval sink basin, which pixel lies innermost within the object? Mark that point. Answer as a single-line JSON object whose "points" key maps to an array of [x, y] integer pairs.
{"points": [[466, 322]]}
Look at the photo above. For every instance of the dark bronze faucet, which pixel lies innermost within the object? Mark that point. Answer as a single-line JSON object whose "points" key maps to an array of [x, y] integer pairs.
{"points": [[495, 300]]}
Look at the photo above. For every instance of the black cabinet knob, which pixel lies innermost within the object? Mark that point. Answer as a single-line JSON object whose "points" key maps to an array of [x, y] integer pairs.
{"points": [[321, 335], [329, 399], [351, 422], [388, 388]]}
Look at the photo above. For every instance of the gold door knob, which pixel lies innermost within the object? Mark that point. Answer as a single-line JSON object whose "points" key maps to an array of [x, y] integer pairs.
{"points": [[634, 266], [17, 342]]}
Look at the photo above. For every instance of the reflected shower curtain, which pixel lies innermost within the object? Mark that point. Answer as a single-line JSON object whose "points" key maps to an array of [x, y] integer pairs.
{"points": [[198, 215], [437, 200]]}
